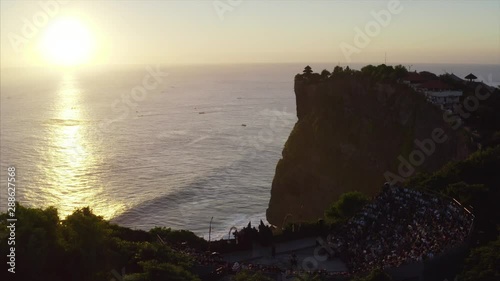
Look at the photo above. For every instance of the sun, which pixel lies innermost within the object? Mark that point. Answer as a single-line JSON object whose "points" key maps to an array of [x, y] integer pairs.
{"points": [[67, 42]]}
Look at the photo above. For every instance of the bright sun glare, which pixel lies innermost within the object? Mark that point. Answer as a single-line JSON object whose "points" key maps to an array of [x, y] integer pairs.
{"points": [[67, 42]]}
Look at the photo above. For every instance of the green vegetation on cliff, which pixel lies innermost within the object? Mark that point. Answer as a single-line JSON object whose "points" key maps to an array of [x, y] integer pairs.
{"points": [[347, 206], [87, 247], [482, 264]]}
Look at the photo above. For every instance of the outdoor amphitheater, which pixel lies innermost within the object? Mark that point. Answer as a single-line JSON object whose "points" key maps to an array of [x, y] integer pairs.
{"points": [[399, 231], [401, 226]]}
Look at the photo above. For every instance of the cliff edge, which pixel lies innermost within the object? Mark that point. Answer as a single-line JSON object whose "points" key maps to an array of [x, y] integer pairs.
{"points": [[351, 133]]}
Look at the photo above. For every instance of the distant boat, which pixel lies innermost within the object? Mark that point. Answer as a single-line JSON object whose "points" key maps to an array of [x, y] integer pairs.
{"points": [[244, 125], [201, 112]]}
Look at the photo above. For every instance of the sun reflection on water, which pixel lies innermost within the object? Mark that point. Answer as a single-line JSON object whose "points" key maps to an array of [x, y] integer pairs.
{"points": [[73, 160]]}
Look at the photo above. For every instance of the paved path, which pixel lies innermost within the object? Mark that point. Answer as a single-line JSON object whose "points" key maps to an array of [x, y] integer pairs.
{"points": [[303, 248], [281, 248]]}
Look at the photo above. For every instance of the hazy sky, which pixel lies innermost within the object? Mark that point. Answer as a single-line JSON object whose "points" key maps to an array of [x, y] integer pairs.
{"points": [[143, 32]]}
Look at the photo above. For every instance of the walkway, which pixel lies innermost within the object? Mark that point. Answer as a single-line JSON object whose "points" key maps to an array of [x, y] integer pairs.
{"points": [[303, 248]]}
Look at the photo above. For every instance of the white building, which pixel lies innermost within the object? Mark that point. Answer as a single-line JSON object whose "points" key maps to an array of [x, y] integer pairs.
{"points": [[440, 93]]}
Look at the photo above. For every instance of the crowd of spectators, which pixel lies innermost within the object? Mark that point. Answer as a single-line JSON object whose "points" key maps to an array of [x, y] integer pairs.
{"points": [[400, 226]]}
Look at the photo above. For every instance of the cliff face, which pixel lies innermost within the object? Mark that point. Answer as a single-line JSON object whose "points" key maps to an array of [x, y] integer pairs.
{"points": [[349, 134]]}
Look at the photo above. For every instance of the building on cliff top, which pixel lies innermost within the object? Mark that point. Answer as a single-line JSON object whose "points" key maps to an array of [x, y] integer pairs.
{"points": [[471, 77], [455, 78], [413, 79], [440, 93], [436, 91]]}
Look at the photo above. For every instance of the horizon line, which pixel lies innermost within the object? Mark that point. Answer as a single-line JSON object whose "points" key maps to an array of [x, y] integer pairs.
{"points": [[231, 64]]}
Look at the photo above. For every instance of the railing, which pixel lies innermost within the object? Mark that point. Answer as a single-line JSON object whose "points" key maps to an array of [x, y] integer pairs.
{"points": [[451, 199]]}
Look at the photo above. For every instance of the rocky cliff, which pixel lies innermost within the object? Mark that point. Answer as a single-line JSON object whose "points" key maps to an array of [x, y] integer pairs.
{"points": [[350, 134]]}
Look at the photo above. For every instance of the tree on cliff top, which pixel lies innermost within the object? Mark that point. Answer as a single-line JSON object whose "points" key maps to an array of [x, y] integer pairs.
{"points": [[382, 71], [325, 73], [338, 69], [400, 71]]}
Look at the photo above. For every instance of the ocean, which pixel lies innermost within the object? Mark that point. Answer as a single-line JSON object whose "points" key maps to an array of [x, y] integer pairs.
{"points": [[196, 143]]}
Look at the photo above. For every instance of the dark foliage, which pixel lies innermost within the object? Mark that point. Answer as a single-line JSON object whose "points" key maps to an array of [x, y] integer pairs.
{"points": [[87, 247], [347, 206]]}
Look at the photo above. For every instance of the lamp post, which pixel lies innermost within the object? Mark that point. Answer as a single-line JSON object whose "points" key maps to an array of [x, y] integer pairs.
{"points": [[210, 232]]}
